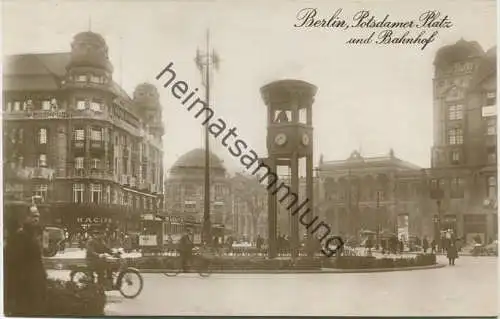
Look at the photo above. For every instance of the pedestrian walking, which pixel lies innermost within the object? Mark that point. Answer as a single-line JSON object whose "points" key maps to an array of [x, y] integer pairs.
{"points": [[25, 278], [186, 249], [425, 245], [433, 246], [452, 254]]}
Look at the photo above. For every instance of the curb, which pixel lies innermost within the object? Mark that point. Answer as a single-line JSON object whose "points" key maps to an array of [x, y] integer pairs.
{"points": [[301, 271], [311, 271]]}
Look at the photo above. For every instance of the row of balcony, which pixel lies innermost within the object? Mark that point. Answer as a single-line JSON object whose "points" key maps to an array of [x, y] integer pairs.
{"points": [[83, 114], [45, 173]]}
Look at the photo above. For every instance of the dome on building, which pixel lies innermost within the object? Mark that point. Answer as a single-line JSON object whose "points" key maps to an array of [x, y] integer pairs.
{"points": [[196, 159], [486, 68], [146, 95], [459, 51], [89, 49]]}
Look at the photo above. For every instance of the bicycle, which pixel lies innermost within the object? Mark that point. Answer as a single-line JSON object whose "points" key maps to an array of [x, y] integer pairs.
{"points": [[201, 264], [121, 276]]}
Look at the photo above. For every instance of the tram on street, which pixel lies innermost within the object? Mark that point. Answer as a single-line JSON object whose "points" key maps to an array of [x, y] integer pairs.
{"points": [[160, 233]]}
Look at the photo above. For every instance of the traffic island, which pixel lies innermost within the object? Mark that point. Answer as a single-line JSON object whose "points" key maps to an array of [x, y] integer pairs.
{"points": [[226, 264]]}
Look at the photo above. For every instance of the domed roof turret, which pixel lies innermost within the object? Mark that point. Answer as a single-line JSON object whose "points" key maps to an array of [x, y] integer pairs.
{"points": [[146, 95], [459, 51], [196, 159], [486, 68], [90, 49]]}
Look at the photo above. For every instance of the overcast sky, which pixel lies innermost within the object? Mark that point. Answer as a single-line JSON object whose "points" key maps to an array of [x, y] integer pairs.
{"points": [[371, 97]]}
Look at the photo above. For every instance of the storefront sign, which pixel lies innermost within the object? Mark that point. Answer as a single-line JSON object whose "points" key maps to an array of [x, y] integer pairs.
{"points": [[148, 240], [93, 220]]}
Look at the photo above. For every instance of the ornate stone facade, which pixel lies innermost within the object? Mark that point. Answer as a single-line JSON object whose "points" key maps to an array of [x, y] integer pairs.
{"points": [[74, 137]]}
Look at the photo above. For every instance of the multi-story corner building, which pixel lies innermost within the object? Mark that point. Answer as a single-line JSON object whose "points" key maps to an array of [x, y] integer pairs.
{"points": [[74, 137], [381, 193], [463, 177], [249, 200], [184, 196]]}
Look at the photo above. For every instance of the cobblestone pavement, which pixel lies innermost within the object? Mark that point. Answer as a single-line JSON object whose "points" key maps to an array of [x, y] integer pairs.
{"points": [[467, 289]]}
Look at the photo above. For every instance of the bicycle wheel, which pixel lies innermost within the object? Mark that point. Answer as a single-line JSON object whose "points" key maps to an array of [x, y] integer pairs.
{"points": [[130, 283], [172, 267], [203, 267]]}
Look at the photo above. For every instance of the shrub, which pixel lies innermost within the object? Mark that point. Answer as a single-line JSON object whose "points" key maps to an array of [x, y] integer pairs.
{"points": [[65, 298], [366, 262]]}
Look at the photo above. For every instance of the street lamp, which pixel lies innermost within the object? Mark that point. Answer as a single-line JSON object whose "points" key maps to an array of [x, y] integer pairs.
{"points": [[438, 195]]}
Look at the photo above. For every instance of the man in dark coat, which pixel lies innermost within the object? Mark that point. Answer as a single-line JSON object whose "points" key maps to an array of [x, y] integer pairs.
{"points": [[185, 249], [452, 253], [425, 245], [25, 278], [96, 250]]}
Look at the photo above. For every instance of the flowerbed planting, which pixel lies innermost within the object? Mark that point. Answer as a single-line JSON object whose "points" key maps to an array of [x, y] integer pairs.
{"points": [[259, 263], [365, 262], [65, 298]]}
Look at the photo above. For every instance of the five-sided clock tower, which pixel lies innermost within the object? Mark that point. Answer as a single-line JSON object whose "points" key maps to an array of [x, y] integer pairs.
{"points": [[289, 138]]}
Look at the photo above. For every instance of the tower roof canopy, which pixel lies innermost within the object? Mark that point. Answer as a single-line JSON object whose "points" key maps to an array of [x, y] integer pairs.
{"points": [[459, 51]]}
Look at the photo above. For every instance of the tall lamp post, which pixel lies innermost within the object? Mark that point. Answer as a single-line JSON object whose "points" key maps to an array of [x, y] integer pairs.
{"points": [[205, 61], [438, 195]]}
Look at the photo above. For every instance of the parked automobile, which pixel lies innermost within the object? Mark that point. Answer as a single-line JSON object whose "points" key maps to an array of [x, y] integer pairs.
{"points": [[485, 250], [53, 241]]}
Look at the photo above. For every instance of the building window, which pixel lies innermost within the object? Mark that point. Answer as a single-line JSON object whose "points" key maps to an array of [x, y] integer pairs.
{"points": [[455, 112], [81, 78], [78, 190], [457, 187], [79, 162], [492, 187], [455, 136], [42, 136], [81, 104], [95, 79], [41, 190], [96, 106], [46, 105], [42, 160], [96, 163], [108, 194], [491, 127], [491, 98], [79, 135], [28, 104], [492, 155], [455, 157], [96, 135], [96, 193]]}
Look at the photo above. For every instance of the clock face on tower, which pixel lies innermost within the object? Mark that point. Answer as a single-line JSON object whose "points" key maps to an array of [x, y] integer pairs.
{"points": [[280, 139], [305, 139]]}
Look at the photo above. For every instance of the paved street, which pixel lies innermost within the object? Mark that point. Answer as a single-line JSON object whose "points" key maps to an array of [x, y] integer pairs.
{"points": [[468, 289]]}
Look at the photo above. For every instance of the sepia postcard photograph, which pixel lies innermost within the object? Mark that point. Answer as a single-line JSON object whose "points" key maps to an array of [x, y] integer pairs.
{"points": [[249, 158]]}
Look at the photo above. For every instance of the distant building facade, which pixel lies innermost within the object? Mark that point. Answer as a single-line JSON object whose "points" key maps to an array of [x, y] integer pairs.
{"points": [[185, 184], [459, 191], [249, 200], [371, 194], [463, 175], [75, 138]]}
